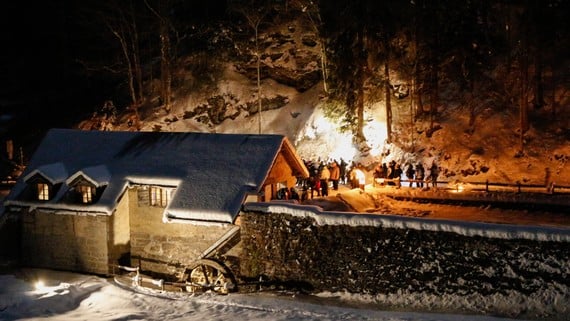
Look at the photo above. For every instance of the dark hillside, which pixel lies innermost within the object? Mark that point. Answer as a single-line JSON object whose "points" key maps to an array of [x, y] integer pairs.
{"points": [[479, 87]]}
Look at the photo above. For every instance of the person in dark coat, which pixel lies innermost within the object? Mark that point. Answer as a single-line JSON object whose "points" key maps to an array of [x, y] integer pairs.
{"points": [[420, 172], [397, 175], [410, 172], [342, 168], [293, 194], [384, 172], [433, 174]]}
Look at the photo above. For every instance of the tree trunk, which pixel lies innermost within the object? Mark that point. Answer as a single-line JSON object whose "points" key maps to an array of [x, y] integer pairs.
{"points": [[166, 76], [128, 62], [135, 52], [523, 107], [324, 66], [538, 79], [258, 76], [388, 98], [553, 84], [412, 113], [360, 107], [434, 101]]}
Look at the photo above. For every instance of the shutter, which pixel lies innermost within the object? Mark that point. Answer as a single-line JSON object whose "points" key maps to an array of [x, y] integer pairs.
{"points": [[143, 196]]}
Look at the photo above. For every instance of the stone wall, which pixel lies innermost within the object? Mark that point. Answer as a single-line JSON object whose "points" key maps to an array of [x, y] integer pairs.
{"points": [[376, 260], [74, 241], [165, 249], [66, 242]]}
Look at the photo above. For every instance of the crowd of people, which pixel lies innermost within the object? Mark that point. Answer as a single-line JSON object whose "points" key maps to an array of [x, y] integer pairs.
{"points": [[322, 175], [391, 174], [327, 175]]}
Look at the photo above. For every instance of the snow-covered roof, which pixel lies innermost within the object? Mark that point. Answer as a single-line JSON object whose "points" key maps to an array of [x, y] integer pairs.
{"points": [[97, 175], [55, 173], [212, 173]]}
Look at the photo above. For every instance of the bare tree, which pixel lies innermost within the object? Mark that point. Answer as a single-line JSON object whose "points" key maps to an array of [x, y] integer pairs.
{"points": [[254, 13], [388, 94], [165, 51], [120, 20], [124, 28], [523, 69]]}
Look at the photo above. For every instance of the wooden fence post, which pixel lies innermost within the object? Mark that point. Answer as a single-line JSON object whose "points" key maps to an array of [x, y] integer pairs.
{"points": [[487, 186], [519, 186]]}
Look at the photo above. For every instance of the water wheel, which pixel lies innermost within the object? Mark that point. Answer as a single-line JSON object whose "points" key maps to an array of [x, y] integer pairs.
{"points": [[209, 275]]}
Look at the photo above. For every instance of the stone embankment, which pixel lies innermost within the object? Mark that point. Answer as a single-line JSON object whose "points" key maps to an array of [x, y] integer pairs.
{"points": [[385, 256]]}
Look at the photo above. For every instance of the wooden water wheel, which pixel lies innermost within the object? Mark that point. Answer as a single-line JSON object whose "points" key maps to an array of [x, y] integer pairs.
{"points": [[209, 275]]}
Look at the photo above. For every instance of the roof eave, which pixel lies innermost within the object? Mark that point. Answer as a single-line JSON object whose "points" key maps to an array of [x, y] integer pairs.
{"points": [[292, 156]]}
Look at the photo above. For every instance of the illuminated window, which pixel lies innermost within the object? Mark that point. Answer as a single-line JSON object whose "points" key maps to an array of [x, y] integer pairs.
{"points": [[86, 193], [159, 196], [43, 192]]}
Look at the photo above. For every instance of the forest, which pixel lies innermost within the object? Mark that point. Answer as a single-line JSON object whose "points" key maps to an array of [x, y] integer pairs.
{"points": [[511, 54]]}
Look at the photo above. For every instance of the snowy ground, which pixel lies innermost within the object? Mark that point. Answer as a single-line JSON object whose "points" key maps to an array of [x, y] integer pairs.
{"points": [[70, 296], [383, 200]]}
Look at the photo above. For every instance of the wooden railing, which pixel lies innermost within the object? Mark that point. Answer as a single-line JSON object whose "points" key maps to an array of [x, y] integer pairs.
{"points": [[486, 186], [518, 187]]}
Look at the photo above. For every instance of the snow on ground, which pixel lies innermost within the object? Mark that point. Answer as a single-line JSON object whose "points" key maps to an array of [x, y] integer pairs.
{"points": [[70, 296]]}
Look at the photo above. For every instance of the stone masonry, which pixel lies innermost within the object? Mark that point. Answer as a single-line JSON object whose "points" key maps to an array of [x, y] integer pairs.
{"points": [[286, 249]]}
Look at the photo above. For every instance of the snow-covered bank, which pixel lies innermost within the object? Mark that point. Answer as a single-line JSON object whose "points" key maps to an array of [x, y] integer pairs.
{"points": [[501, 231], [69, 296]]}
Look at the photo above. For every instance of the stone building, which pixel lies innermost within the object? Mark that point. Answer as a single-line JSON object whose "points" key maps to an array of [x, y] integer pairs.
{"points": [[89, 200]]}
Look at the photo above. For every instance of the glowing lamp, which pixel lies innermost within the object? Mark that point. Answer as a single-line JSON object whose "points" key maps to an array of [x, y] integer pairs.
{"points": [[360, 176], [39, 285], [459, 187]]}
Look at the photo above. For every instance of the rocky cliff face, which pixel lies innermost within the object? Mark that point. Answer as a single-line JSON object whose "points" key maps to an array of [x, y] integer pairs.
{"points": [[289, 56]]}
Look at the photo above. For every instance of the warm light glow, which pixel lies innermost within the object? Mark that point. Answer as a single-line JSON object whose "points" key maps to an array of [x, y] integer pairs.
{"points": [[86, 193], [39, 285], [321, 138], [458, 188], [43, 192], [336, 145], [375, 132], [360, 176], [343, 148]]}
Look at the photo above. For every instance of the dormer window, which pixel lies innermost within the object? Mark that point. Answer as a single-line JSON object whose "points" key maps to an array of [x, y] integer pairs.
{"points": [[82, 191], [43, 191], [159, 196], [87, 193], [87, 185], [43, 183]]}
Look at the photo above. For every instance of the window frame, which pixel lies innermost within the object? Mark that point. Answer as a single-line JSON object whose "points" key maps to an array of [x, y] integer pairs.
{"points": [[87, 193], [159, 196], [43, 191]]}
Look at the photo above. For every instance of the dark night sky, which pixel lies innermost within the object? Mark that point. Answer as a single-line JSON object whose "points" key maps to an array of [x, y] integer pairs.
{"points": [[38, 85]]}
